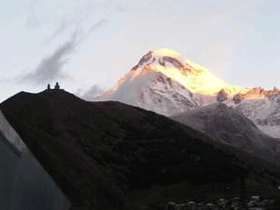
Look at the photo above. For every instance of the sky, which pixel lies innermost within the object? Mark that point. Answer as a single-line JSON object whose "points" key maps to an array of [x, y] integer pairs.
{"points": [[92, 43]]}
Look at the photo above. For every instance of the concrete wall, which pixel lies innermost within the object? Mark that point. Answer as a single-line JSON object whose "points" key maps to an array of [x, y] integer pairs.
{"points": [[24, 184]]}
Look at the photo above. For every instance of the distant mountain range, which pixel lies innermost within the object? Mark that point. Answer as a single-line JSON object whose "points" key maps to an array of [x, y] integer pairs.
{"points": [[167, 83], [109, 155]]}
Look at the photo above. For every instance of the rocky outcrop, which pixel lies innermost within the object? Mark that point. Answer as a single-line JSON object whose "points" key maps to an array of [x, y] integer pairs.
{"points": [[237, 98], [256, 92], [222, 96], [143, 60]]}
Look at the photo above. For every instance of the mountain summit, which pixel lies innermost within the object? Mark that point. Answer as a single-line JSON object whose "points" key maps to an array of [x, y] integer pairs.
{"points": [[168, 83], [192, 76]]}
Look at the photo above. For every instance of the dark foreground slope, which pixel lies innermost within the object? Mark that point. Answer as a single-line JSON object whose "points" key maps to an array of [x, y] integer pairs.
{"points": [[108, 155]]}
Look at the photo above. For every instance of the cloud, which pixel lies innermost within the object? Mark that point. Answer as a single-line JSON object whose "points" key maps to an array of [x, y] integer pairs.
{"points": [[90, 94], [62, 27], [97, 25], [32, 19], [51, 67], [253, 2], [151, 3], [120, 7]]}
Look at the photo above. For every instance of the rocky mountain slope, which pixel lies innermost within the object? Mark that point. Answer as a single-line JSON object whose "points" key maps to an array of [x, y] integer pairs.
{"points": [[228, 126], [264, 112], [152, 91]]}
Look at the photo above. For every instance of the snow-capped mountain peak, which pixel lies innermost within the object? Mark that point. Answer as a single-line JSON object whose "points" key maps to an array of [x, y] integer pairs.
{"points": [[152, 91], [166, 82], [194, 77]]}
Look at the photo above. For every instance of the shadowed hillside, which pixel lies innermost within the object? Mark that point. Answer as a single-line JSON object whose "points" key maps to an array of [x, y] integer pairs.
{"points": [[108, 155], [228, 126]]}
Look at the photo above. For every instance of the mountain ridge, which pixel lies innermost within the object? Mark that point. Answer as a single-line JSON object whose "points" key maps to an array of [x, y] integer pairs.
{"points": [[201, 88], [104, 150], [229, 126]]}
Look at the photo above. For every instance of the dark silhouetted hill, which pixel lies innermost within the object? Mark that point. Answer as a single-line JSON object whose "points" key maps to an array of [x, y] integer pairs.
{"points": [[108, 155]]}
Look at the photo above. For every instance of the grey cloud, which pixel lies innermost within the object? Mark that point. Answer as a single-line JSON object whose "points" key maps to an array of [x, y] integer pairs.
{"points": [[107, 4], [62, 27], [51, 67], [117, 6], [6, 80], [120, 7], [97, 25], [154, 2], [32, 19], [90, 94], [32, 22]]}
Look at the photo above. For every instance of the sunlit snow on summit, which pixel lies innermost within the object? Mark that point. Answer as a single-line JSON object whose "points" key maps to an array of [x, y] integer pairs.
{"points": [[194, 77]]}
